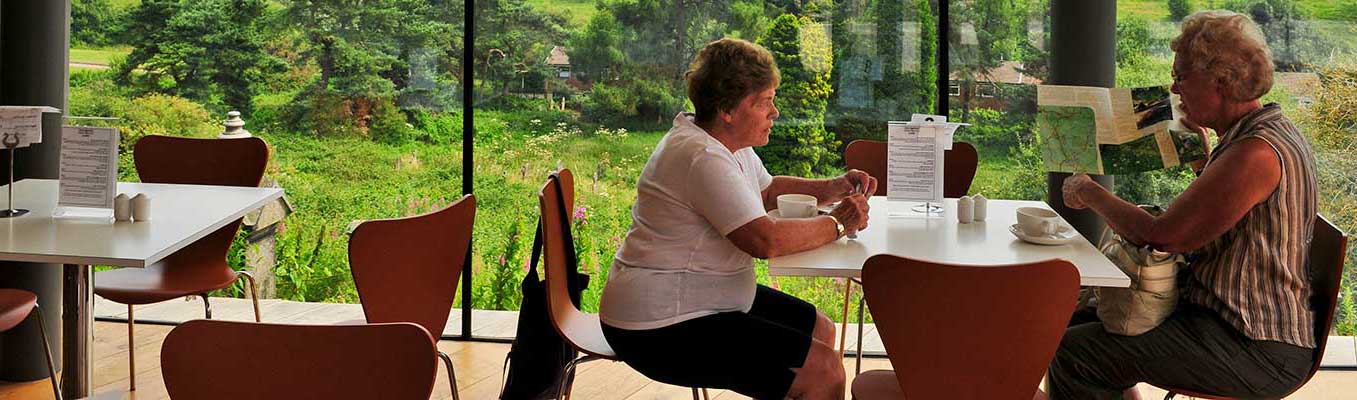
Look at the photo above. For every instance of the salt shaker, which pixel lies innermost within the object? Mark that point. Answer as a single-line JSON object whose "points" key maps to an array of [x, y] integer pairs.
{"points": [[141, 207], [122, 208], [981, 206], [965, 211]]}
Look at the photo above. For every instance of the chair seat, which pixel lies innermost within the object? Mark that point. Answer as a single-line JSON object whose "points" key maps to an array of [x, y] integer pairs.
{"points": [[877, 384], [586, 332], [15, 305], [161, 281]]}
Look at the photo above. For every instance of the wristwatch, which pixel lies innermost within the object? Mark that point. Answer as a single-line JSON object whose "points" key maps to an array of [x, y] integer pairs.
{"points": [[838, 226]]}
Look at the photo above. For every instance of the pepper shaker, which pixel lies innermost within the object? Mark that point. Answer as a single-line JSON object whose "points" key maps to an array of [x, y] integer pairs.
{"points": [[141, 207], [122, 208], [981, 206], [965, 211]]}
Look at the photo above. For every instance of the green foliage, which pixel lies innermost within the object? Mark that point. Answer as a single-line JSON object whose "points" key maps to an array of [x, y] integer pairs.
{"points": [[1179, 9], [211, 51], [800, 146], [994, 128], [93, 22], [1134, 40], [597, 50], [158, 114]]}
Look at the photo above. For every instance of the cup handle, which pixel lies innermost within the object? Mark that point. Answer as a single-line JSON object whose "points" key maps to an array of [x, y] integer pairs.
{"points": [[1049, 228]]}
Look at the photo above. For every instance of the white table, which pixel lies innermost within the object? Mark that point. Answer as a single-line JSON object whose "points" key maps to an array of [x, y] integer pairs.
{"points": [[942, 240], [181, 214]]}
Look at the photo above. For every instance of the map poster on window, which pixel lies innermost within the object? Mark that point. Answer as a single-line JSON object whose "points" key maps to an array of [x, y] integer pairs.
{"points": [[914, 161], [1112, 131]]}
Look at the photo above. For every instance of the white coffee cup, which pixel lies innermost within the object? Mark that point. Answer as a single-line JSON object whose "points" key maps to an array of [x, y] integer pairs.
{"points": [[797, 206], [1036, 221]]}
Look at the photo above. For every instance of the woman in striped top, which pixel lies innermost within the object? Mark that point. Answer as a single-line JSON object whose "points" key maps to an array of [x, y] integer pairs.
{"points": [[1243, 327]]}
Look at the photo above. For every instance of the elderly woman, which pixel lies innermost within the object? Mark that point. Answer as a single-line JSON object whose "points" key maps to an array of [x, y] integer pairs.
{"points": [[681, 304], [1243, 327]]}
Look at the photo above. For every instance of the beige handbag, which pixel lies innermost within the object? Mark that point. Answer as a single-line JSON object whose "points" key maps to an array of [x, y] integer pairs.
{"points": [[1153, 293]]}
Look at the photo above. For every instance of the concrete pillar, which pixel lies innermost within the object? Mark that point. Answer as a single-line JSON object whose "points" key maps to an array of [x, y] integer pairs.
{"points": [[1083, 53], [34, 37]]}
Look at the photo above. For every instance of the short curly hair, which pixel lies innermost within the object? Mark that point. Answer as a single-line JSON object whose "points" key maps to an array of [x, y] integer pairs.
{"points": [[724, 72], [1230, 48]]}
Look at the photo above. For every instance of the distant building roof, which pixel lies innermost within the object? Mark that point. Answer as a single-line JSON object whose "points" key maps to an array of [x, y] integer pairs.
{"points": [[1006, 72], [1297, 83], [558, 57]]}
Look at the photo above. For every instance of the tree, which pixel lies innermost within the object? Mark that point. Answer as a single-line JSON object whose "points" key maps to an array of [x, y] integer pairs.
{"points": [[597, 50], [212, 51], [93, 22], [1179, 9], [1000, 31], [799, 144]]}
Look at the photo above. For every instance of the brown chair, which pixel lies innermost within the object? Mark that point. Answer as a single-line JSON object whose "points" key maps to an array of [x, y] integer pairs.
{"points": [[15, 307], [582, 330], [209, 360], [406, 269], [200, 267], [958, 165], [965, 332], [1328, 249]]}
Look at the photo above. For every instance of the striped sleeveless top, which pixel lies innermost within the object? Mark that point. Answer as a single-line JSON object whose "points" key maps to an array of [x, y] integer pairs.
{"points": [[1255, 275]]}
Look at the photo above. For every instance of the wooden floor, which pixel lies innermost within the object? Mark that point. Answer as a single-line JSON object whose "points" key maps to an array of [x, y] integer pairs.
{"points": [[478, 364]]}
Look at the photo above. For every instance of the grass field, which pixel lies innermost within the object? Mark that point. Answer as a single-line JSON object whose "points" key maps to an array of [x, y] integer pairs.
{"points": [[98, 56]]}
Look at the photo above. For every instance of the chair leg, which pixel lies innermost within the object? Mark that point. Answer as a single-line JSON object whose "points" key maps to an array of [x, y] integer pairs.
{"points": [[131, 351], [254, 296], [705, 395], [452, 376], [1169, 395], [207, 307], [843, 329], [695, 396], [47, 349], [567, 378]]}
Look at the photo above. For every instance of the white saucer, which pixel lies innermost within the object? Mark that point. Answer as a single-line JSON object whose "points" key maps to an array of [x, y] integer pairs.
{"points": [[1065, 235], [776, 214]]}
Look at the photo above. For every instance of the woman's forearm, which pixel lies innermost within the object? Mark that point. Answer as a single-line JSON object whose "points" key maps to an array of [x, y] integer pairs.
{"points": [[826, 191], [1128, 220]]}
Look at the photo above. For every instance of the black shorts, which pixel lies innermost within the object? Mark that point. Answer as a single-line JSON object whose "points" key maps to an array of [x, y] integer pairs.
{"points": [[750, 353]]}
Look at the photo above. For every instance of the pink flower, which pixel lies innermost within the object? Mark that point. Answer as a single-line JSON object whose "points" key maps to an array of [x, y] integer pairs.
{"points": [[580, 214], [501, 259]]}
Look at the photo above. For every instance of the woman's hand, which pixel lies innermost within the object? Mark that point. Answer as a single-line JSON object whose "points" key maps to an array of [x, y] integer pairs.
{"points": [[1073, 190], [856, 182], [852, 213], [1201, 131]]}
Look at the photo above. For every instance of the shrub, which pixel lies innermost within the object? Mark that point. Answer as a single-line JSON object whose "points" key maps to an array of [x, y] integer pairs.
{"points": [[159, 114], [1179, 9]]}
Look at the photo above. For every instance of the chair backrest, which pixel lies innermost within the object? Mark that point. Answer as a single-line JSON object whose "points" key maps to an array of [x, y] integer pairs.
{"points": [[581, 329], [406, 269], [958, 165], [208, 360], [221, 162], [1328, 251], [969, 332]]}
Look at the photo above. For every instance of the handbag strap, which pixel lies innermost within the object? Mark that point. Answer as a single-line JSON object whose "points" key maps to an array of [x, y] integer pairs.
{"points": [[572, 263], [536, 249]]}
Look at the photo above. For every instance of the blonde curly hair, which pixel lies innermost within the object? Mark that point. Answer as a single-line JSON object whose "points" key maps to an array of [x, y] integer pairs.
{"points": [[724, 72], [1228, 47]]}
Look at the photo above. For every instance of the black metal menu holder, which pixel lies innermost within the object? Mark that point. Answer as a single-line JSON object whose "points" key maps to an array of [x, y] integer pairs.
{"points": [[11, 142]]}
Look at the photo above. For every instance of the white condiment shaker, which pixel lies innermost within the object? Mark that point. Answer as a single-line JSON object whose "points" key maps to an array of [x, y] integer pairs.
{"points": [[122, 208], [965, 209], [981, 206], [141, 207]]}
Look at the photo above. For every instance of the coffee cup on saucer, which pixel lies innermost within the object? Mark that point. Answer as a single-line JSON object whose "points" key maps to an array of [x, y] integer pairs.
{"points": [[1036, 221], [797, 206]]}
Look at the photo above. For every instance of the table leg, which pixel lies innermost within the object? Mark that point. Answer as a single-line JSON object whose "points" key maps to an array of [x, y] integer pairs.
{"points": [[861, 303], [77, 329], [843, 328]]}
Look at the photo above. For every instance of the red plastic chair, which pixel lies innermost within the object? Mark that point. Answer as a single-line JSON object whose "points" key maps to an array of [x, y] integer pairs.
{"points": [[965, 332], [406, 269], [1328, 249], [200, 267], [15, 307], [227, 360]]}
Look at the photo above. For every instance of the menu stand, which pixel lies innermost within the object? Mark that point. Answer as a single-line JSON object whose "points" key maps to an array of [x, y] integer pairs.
{"points": [[11, 142]]}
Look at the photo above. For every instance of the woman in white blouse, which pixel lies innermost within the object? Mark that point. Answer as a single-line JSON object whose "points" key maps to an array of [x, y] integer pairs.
{"points": [[681, 304]]}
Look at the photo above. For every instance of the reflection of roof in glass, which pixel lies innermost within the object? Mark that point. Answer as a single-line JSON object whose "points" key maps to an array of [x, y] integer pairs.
{"points": [[1006, 72]]}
